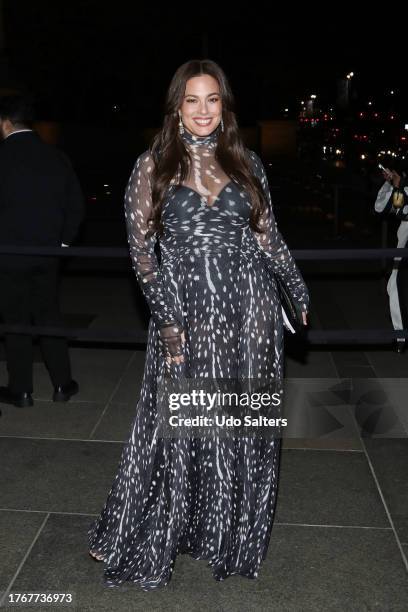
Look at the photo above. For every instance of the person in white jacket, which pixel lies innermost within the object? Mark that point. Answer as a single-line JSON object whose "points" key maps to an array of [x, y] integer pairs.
{"points": [[392, 199]]}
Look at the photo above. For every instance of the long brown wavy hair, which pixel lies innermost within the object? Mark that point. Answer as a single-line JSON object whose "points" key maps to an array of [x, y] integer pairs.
{"points": [[171, 156]]}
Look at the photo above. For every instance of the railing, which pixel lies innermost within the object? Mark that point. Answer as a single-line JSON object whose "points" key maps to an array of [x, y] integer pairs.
{"points": [[318, 337]]}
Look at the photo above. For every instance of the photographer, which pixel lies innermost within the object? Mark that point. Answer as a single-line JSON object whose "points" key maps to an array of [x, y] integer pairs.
{"points": [[392, 199]]}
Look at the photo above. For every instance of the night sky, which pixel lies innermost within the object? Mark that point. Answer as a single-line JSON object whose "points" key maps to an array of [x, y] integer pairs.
{"points": [[81, 58]]}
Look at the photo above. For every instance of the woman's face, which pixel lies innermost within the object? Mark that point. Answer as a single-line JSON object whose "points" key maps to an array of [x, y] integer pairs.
{"points": [[202, 101]]}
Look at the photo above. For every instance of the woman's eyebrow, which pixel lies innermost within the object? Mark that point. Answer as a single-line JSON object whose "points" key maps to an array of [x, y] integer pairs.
{"points": [[216, 93]]}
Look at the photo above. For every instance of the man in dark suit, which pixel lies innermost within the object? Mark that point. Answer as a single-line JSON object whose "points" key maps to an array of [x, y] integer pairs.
{"points": [[41, 204]]}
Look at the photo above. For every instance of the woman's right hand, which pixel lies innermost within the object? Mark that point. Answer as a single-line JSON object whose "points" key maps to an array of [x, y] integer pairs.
{"points": [[387, 174], [177, 358], [395, 179], [172, 339]]}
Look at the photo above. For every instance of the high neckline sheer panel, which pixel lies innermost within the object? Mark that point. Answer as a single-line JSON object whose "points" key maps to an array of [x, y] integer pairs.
{"points": [[206, 177]]}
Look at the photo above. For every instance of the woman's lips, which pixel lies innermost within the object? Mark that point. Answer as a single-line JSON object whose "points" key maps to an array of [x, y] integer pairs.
{"points": [[203, 122]]}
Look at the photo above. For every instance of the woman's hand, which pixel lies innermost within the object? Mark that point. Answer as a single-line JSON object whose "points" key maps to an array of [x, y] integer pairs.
{"points": [[396, 179], [177, 358], [387, 174], [304, 317], [172, 340]]}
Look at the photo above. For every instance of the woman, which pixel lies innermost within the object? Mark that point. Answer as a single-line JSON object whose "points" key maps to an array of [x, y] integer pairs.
{"points": [[392, 199], [215, 314]]}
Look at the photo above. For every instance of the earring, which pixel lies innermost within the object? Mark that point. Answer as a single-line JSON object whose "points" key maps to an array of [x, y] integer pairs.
{"points": [[181, 127], [222, 124]]}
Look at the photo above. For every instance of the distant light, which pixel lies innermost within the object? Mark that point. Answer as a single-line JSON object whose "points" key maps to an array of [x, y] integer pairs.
{"points": [[406, 127], [338, 151], [382, 131], [302, 102], [313, 96], [106, 185], [362, 156], [392, 92], [392, 117], [286, 110], [370, 104]]}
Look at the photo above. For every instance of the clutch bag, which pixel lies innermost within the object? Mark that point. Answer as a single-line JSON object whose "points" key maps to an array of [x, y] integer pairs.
{"points": [[291, 311]]}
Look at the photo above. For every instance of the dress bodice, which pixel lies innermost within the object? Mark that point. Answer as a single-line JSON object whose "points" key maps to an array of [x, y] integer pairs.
{"points": [[205, 213]]}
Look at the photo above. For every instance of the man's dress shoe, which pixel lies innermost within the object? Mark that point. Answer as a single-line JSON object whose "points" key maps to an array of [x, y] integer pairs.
{"points": [[62, 393], [21, 399]]}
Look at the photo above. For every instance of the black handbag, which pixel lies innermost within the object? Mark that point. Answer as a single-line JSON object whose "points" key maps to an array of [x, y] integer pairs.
{"points": [[291, 311]]}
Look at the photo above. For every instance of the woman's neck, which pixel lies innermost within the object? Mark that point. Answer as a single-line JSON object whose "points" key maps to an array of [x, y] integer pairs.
{"points": [[208, 140]]}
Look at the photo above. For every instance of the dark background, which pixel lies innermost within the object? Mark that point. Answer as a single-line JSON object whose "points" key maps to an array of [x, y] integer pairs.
{"points": [[98, 73], [93, 61]]}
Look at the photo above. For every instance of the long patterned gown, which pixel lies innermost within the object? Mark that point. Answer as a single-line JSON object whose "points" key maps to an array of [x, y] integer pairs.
{"points": [[213, 498]]}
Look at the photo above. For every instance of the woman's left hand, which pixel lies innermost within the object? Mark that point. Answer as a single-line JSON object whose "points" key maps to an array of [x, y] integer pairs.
{"points": [[304, 317]]}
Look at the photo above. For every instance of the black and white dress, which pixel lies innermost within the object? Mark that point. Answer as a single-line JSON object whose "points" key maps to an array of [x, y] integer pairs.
{"points": [[211, 498], [397, 286]]}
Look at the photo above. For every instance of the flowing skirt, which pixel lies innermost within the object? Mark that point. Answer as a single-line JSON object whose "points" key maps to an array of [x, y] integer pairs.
{"points": [[213, 498]]}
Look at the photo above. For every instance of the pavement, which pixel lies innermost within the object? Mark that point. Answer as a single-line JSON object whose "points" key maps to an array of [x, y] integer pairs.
{"points": [[340, 535]]}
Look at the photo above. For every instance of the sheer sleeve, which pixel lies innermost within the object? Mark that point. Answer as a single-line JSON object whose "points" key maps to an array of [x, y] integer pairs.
{"points": [[138, 207], [383, 201], [273, 247]]}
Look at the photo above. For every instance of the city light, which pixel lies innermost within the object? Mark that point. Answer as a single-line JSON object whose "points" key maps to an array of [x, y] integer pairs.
{"points": [[337, 147]]}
